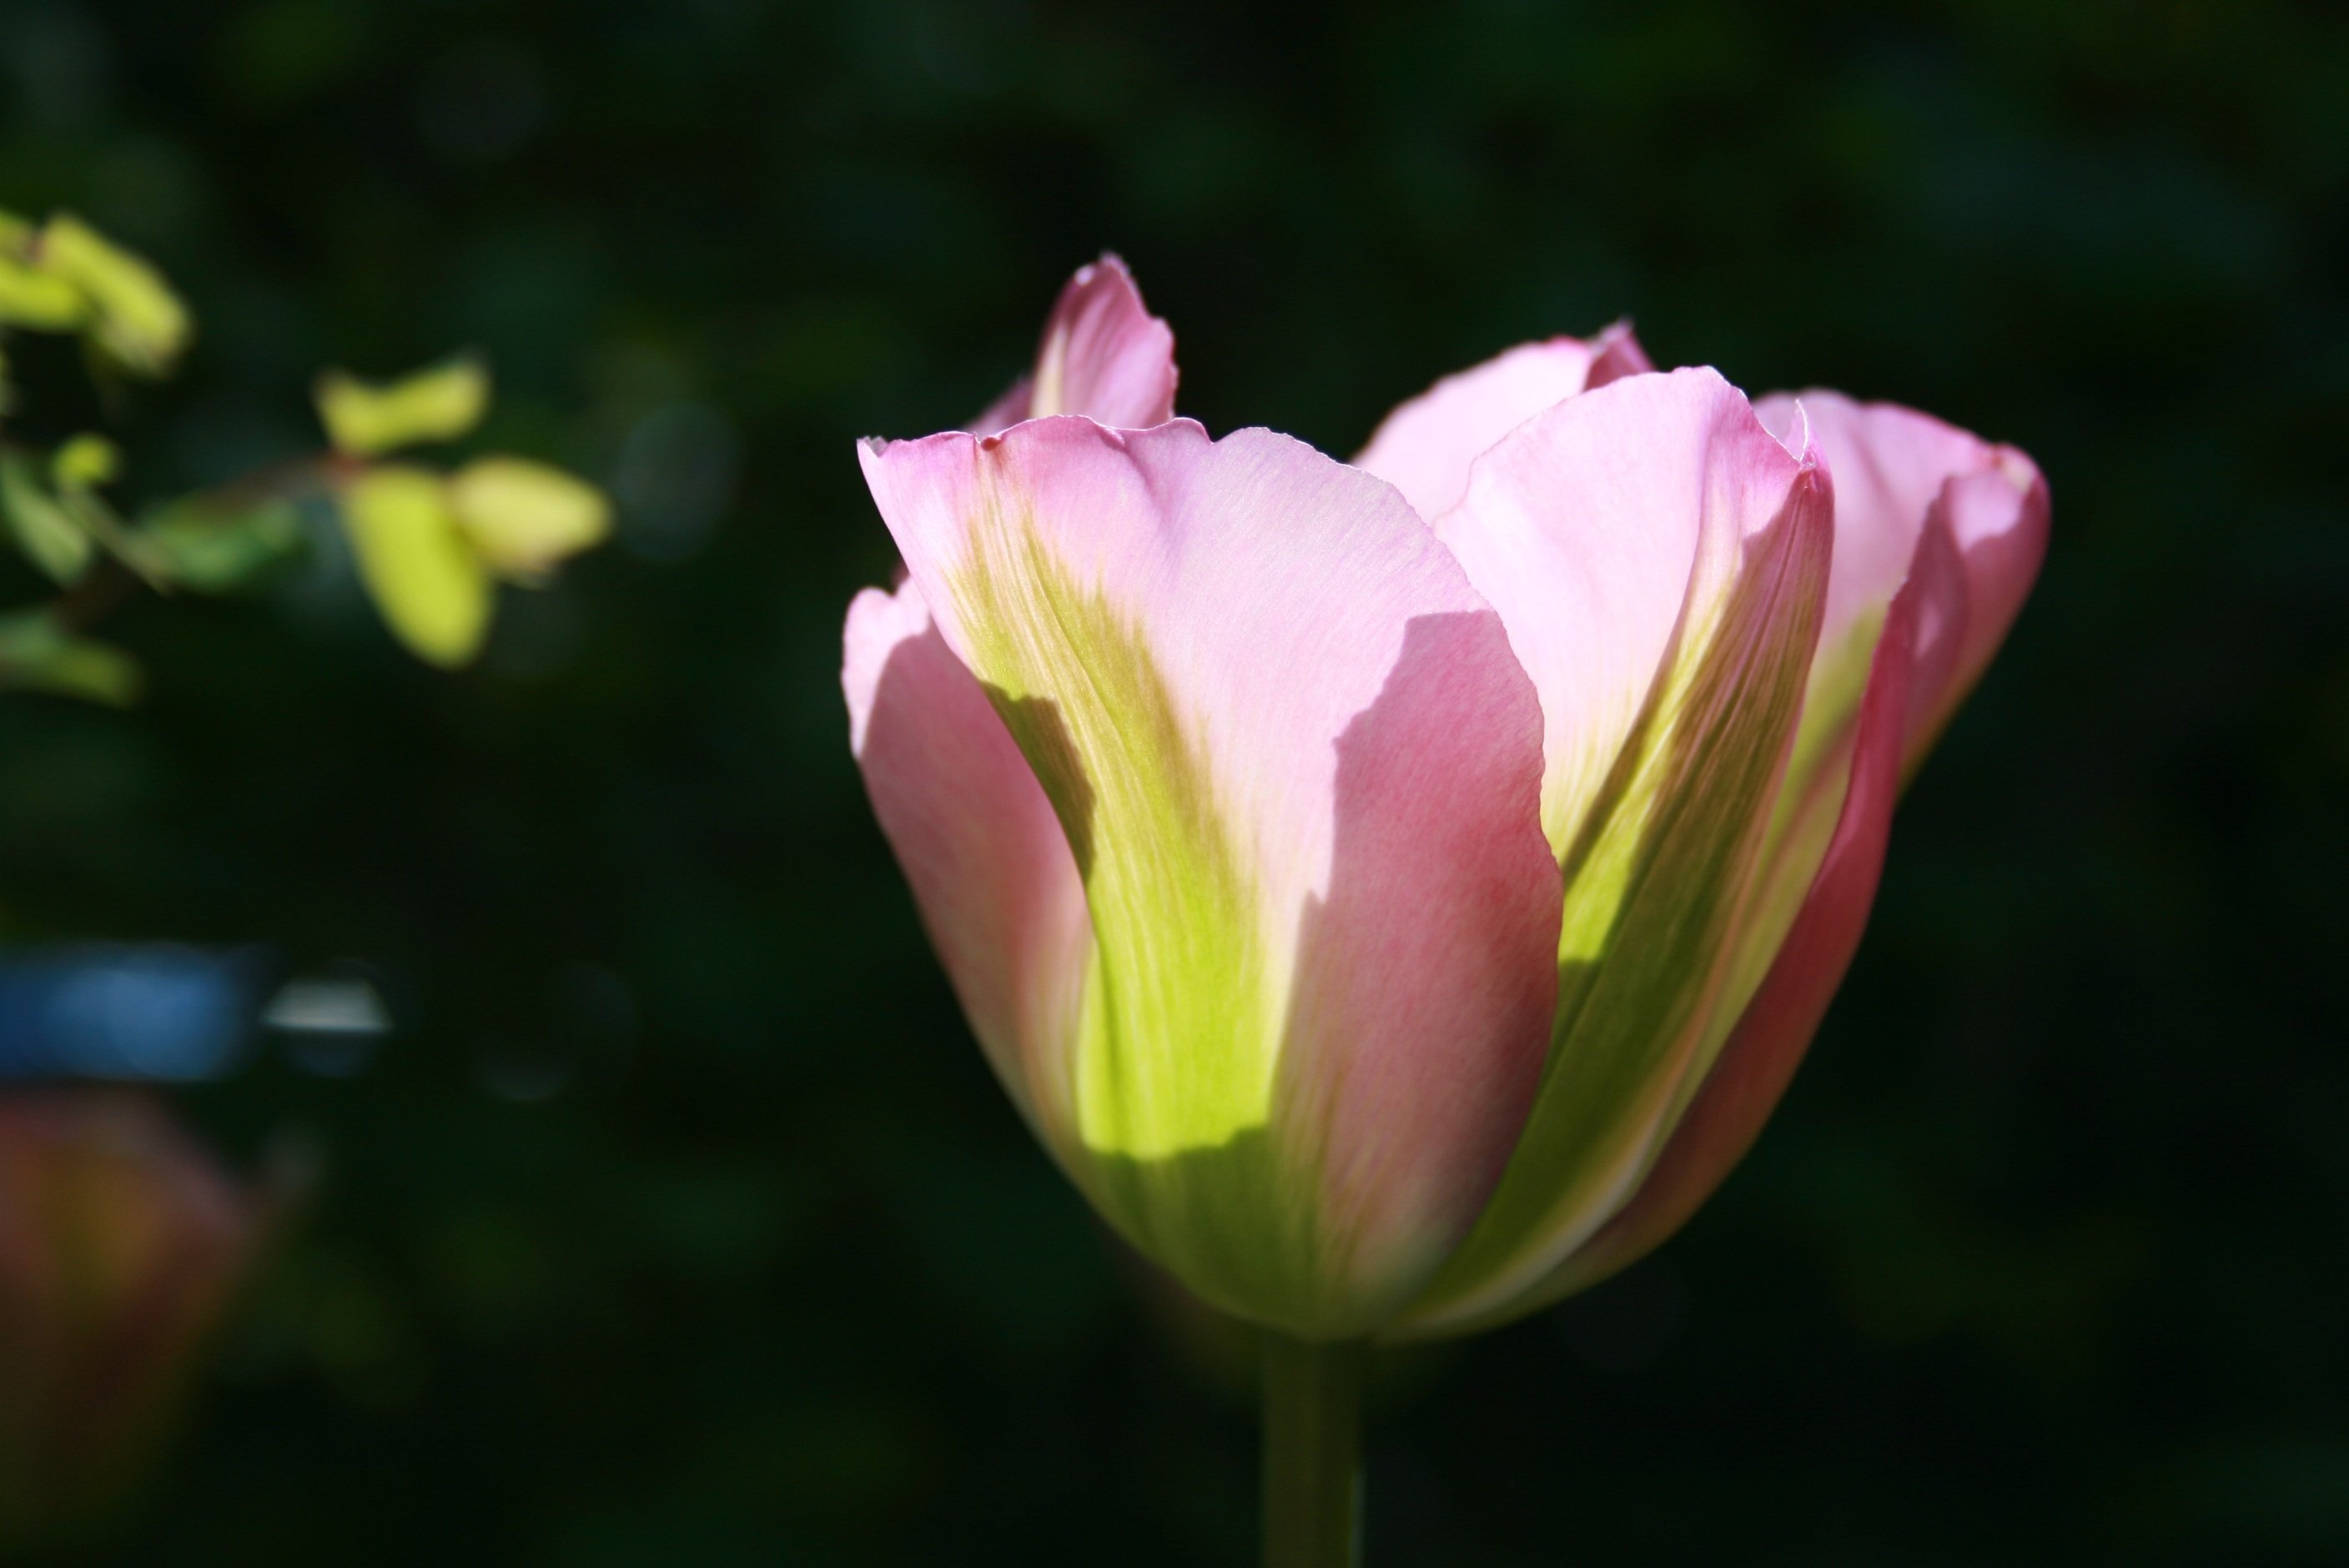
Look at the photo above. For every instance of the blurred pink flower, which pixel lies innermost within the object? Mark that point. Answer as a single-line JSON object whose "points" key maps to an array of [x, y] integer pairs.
{"points": [[1397, 893], [121, 1242]]}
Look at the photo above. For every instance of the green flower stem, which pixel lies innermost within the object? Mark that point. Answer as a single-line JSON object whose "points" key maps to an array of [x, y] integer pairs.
{"points": [[1312, 1453]]}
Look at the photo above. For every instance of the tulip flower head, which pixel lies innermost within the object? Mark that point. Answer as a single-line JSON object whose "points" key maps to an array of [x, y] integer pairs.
{"points": [[121, 1245], [1397, 891]]}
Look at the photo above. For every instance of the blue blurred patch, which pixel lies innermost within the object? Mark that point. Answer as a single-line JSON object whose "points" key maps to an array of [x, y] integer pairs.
{"points": [[156, 1012]]}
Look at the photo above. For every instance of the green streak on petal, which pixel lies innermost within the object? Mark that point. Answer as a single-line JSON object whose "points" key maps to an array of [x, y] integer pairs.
{"points": [[1656, 886], [1179, 1029], [1804, 820], [1831, 703], [1050, 393], [1174, 1075]]}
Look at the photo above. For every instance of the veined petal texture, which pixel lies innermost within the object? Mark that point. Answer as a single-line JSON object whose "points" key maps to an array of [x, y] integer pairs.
{"points": [[1660, 561], [1298, 772]]}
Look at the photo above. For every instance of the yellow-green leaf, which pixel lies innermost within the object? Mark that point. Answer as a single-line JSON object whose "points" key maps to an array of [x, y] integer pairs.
{"points": [[41, 301], [432, 587], [85, 463], [138, 321], [366, 420], [43, 529], [526, 518], [38, 654]]}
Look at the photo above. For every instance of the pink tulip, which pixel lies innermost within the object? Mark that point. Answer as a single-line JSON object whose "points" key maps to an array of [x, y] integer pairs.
{"points": [[1397, 893], [121, 1245]]}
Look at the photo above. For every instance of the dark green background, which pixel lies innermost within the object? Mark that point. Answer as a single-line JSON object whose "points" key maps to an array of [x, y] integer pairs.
{"points": [[681, 1224]]}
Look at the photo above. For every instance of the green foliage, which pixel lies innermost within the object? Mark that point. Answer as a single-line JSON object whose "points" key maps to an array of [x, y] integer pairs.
{"points": [[427, 545], [66, 276], [212, 544], [436, 405], [37, 654], [525, 519], [44, 530], [425, 577]]}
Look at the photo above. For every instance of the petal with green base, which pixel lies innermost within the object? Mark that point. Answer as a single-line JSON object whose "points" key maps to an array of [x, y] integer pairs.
{"points": [[1654, 516], [1807, 963], [1208, 652]]}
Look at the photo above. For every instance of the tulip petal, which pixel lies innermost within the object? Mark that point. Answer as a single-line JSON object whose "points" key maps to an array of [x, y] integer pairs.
{"points": [[1425, 446], [992, 873], [1775, 1029], [1893, 467], [1103, 356], [1909, 490], [1661, 562], [1997, 519], [1298, 769]]}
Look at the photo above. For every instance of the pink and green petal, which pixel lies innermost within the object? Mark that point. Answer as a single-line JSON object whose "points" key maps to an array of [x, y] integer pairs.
{"points": [[1661, 562], [1910, 490], [1775, 1029], [991, 872], [1252, 685], [1103, 356], [1425, 446], [1893, 467], [1960, 601]]}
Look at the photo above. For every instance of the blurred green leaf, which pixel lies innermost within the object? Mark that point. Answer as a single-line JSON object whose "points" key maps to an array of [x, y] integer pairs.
{"points": [[214, 547], [85, 463], [33, 298], [38, 654], [44, 530], [139, 322], [432, 587], [526, 518], [91, 514], [435, 405]]}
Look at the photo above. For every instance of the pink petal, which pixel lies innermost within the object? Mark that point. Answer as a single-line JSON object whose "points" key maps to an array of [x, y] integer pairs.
{"points": [[992, 873], [1893, 467], [1661, 562], [1588, 529], [1776, 1030], [1103, 356], [1615, 354], [1007, 410], [1248, 673], [1998, 520], [1423, 448]]}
